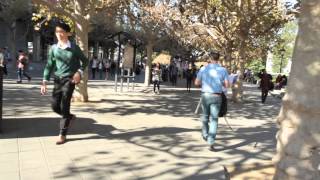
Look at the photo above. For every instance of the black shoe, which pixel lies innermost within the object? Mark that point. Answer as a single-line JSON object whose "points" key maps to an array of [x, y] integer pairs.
{"points": [[29, 79], [211, 148], [204, 138], [19, 82]]}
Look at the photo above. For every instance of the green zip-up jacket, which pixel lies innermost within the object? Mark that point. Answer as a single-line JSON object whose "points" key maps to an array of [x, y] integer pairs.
{"points": [[64, 62]]}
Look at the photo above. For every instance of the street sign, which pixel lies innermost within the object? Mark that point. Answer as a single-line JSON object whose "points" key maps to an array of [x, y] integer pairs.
{"points": [[128, 57]]}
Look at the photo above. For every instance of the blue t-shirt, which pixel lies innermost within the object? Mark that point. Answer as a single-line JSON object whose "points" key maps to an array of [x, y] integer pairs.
{"points": [[212, 78]]}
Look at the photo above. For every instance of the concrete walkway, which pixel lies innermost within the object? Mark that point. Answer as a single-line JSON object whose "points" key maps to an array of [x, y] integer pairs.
{"points": [[131, 135]]}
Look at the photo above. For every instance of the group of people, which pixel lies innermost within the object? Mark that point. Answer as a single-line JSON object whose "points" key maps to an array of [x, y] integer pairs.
{"points": [[102, 66], [162, 73], [266, 83], [22, 63]]}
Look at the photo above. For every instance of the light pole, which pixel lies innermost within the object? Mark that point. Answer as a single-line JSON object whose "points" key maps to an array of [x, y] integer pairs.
{"points": [[282, 50]]}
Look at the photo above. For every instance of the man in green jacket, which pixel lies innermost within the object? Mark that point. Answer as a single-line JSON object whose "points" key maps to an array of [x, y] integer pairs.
{"points": [[68, 63]]}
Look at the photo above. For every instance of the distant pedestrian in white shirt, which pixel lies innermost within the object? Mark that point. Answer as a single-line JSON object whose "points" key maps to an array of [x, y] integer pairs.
{"points": [[94, 66]]}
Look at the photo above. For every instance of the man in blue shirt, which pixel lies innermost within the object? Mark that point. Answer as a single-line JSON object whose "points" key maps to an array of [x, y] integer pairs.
{"points": [[212, 78]]}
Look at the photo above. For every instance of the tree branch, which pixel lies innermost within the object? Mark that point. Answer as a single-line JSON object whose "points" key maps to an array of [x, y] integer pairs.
{"points": [[54, 8]]}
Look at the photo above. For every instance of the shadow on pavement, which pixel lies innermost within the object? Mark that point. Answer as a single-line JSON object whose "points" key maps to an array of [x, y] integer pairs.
{"points": [[47, 126], [174, 146]]}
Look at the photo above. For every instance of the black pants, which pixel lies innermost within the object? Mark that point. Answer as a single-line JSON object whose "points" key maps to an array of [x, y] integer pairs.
{"points": [[156, 84], [61, 97], [5, 71], [189, 81], [93, 72], [174, 80], [264, 94]]}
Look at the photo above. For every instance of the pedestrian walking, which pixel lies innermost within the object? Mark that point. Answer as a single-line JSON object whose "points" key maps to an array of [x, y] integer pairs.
{"points": [[22, 66], [94, 67], [113, 69], [68, 62], [212, 78], [7, 54], [156, 74], [265, 84], [189, 73], [233, 83], [101, 68], [3, 61], [174, 74], [107, 68]]}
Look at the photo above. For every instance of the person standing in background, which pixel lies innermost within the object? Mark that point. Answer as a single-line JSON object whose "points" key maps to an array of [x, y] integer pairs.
{"points": [[156, 75], [94, 67], [265, 84], [189, 76]]}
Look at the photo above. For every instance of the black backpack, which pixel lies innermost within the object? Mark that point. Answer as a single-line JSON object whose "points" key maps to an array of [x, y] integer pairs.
{"points": [[224, 105]]}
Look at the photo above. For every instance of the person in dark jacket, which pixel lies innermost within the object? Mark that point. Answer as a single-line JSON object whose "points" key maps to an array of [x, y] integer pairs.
{"points": [[265, 84], [189, 76]]}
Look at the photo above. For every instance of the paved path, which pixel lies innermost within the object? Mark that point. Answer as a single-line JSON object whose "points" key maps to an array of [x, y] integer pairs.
{"points": [[130, 135]]}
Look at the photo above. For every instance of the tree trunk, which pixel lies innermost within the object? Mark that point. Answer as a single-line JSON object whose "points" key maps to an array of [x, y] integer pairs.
{"points": [[81, 29], [11, 32], [298, 146], [265, 57], [237, 90], [36, 47], [112, 54], [148, 64]]}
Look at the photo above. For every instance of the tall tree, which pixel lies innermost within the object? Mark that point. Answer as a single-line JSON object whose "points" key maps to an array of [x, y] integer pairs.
{"points": [[144, 16], [241, 30], [298, 145], [282, 51], [80, 12]]}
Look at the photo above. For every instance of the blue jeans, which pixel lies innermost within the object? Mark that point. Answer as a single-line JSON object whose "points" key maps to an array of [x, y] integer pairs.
{"points": [[210, 104], [22, 72]]}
